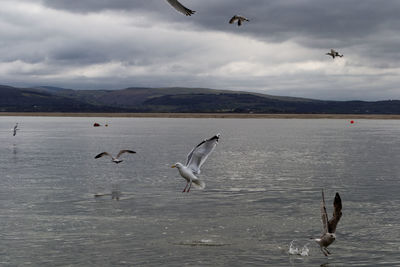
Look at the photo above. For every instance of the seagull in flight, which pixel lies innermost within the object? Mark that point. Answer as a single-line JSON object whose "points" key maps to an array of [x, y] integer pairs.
{"points": [[15, 129], [116, 159], [180, 8], [329, 226], [239, 19], [334, 54], [195, 160]]}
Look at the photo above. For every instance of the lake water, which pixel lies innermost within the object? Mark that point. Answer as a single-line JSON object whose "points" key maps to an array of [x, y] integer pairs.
{"points": [[263, 190]]}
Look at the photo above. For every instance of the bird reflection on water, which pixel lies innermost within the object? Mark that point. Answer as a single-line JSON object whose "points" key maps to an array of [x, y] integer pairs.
{"points": [[115, 193]]}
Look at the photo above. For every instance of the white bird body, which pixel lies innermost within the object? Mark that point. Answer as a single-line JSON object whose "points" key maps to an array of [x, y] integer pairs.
{"points": [[188, 175], [117, 160], [195, 160], [326, 240], [180, 8]]}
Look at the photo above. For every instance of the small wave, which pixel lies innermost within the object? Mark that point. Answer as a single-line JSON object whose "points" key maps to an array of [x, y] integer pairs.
{"points": [[295, 250], [202, 242], [256, 189]]}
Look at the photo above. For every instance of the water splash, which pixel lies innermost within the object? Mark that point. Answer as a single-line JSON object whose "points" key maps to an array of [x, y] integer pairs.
{"points": [[295, 250]]}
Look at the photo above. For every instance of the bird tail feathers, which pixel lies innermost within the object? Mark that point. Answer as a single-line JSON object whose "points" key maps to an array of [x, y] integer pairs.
{"points": [[199, 184]]}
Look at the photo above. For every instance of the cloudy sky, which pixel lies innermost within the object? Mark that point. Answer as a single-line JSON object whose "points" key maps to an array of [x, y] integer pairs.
{"points": [[114, 44]]}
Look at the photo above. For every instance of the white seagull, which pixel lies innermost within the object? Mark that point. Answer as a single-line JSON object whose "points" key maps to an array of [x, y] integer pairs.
{"points": [[239, 19], [181, 8], [334, 54], [329, 226], [116, 159], [195, 160], [15, 129]]}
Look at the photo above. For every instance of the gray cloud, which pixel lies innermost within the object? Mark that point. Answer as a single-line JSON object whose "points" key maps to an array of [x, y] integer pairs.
{"points": [[121, 43], [287, 19]]}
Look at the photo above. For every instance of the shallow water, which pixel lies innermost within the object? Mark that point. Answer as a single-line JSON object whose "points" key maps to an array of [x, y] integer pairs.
{"points": [[263, 190]]}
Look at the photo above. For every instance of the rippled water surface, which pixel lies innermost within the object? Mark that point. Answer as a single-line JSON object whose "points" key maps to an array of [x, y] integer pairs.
{"points": [[263, 190]]}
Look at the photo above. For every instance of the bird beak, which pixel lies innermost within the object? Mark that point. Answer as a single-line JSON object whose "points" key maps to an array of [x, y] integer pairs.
{"points": [[173, 166]]}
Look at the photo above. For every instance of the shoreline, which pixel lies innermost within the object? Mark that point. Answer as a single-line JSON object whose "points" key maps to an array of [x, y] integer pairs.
{"points": [[204, 115]]}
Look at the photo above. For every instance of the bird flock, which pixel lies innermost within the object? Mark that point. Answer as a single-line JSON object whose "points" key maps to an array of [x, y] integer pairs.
{"points": [[239, 18], [195, 160], [199, 154]]}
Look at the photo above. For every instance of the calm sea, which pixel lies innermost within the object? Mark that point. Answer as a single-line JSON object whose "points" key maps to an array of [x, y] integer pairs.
{"points": [[263, 190]]}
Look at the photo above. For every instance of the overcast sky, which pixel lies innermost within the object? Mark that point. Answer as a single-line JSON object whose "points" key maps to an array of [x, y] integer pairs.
{"points": [[114, 44]]}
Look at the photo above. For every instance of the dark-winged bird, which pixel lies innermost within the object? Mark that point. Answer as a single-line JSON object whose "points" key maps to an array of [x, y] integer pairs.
{"points": [[329, 226], [15, 129], [334, 54], [239, 19], [116, 159], [181, 8]]}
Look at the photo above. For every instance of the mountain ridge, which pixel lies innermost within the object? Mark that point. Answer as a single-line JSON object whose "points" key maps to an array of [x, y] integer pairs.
{"points": [[177, 100]]}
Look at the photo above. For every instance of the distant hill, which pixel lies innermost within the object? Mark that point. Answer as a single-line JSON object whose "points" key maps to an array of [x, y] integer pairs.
{"points": [[35, 100], [186, 100]]}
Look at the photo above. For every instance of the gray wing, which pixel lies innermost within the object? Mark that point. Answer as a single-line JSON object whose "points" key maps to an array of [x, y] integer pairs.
{"points": [[232, 20], [181, 8], [324, 215], [199, 154], [125, 151], [337, 213], [102, 154]]}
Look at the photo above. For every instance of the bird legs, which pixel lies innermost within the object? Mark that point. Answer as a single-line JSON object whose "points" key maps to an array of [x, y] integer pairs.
{"points": [[325, 251], [189, 183]]}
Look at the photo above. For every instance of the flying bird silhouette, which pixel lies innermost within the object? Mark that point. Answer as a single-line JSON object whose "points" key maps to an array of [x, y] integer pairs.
{"points": [[334, 54], [240, 19], [195, 160], [329, 226], [15, 129], [181, 8], [116, 159]]}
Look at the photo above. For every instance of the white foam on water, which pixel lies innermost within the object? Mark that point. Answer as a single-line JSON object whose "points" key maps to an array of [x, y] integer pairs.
{"points": [[295, 250]]}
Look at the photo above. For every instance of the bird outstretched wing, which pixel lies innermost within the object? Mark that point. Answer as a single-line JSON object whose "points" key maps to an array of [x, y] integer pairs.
{"points": [[103, 154], [232, 20], [181, 8], [337, 213], [125, 151], [324, 215], [199, 154]]}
